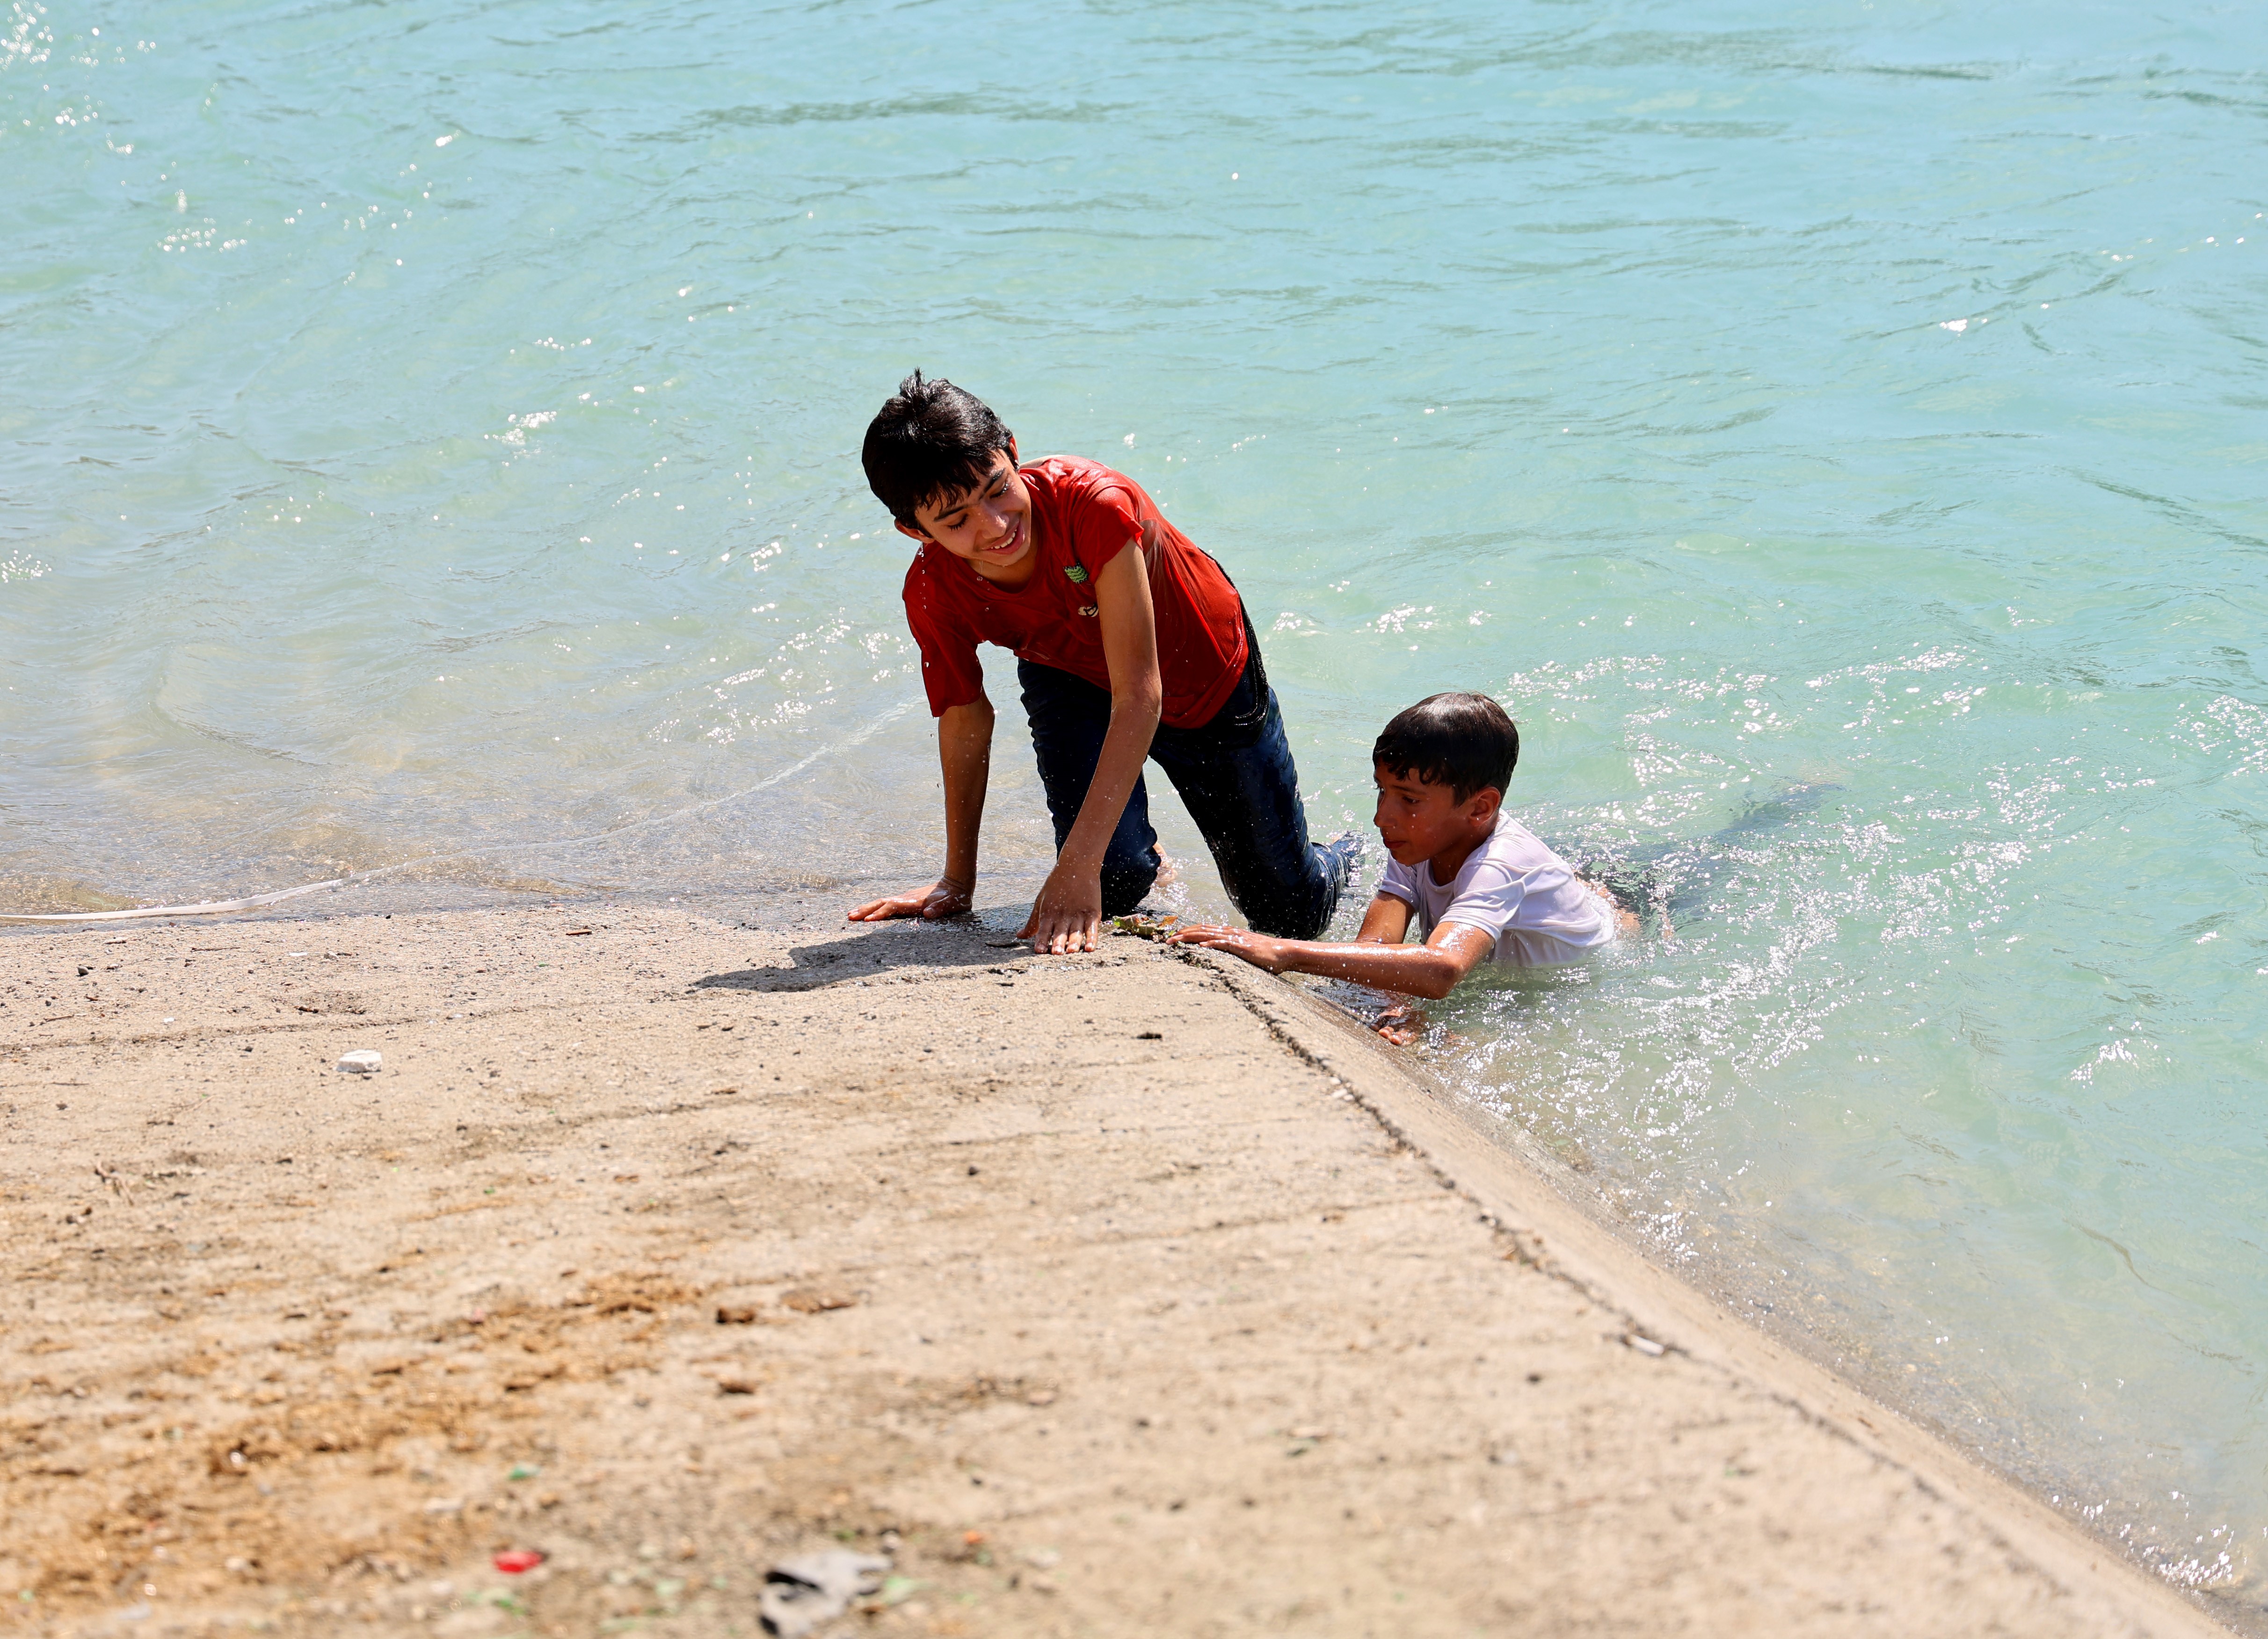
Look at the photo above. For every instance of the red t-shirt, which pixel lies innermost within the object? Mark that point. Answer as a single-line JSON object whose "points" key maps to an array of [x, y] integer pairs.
{"points": [[1083, 516]]}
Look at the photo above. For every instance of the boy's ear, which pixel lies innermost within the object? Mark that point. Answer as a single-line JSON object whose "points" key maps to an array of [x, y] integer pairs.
{"points": [[1484, 804], [908, 530], [1012, 460]]}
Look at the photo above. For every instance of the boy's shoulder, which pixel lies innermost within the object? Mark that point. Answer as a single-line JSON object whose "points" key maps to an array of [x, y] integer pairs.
{"points": [[1514, 848], [1072, 470], [1074, 481], [942, 592], [930, 572]]}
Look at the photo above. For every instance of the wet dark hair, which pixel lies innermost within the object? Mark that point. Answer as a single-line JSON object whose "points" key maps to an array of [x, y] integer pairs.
{"points": [[930, 441], [1465, 742]]}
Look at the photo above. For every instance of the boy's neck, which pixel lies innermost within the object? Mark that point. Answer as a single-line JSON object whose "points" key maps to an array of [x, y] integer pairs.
{"points": [[1446, 864]]}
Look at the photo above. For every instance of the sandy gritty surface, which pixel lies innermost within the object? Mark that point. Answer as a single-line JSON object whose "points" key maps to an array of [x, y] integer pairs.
{"points": [[1080, 1285]]}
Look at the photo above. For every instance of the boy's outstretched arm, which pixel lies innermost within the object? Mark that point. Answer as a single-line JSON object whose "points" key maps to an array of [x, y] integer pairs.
{"points": [[964, 751], [1375, 958]]}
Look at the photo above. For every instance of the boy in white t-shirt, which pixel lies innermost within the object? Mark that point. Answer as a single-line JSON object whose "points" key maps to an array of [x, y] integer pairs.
{"points": [[1478, 883]]}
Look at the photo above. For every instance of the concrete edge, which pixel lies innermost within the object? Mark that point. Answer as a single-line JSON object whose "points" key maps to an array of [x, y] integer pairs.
{"points": [[1514, 1196]]}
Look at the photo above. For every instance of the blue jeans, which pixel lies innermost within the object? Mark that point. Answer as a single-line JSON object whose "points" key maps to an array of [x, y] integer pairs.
{"points": [[1234, 773]]}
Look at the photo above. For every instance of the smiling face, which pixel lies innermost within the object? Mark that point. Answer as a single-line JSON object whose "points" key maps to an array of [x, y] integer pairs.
{"points": [[988, 527], [1419, 820]]}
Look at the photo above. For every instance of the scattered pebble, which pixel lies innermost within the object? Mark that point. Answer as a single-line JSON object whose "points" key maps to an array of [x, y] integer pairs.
{"points": [[363, 1061], [811, 1300]]}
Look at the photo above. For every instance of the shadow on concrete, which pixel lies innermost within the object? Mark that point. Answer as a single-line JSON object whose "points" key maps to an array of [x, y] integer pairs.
{"points": [[884, 948]]}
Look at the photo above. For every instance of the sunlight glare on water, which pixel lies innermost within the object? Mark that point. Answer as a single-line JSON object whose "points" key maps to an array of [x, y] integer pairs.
{"points": [[1835, 432]]}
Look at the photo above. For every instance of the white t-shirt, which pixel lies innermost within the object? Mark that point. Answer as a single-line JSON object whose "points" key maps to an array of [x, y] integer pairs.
{"points": [[1515, 887]]}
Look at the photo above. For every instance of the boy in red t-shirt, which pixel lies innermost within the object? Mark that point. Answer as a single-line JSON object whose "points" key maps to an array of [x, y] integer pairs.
{"points": [[1132, 645]]}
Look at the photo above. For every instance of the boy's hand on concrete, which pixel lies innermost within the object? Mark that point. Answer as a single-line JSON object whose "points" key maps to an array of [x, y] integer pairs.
{"points": [[1067, 917], [1256, 948], [943, 897]]}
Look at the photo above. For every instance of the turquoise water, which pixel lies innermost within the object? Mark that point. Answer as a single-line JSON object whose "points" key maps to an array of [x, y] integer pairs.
{"points": [[430, 448]]}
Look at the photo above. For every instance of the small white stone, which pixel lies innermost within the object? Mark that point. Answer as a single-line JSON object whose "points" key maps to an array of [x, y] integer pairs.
{"points": [[364, 1062]]}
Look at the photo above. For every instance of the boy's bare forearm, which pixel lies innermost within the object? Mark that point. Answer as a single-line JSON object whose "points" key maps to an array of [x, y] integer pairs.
{"points": [[1126, 746], [964, 749], [1130, 650], [1421, 970], [1377, 959]]}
